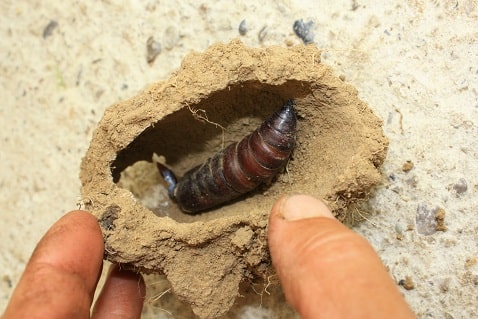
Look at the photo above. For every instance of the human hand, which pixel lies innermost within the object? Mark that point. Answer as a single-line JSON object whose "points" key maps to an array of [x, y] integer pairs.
{"points": [[61, 277], [327, 270]]}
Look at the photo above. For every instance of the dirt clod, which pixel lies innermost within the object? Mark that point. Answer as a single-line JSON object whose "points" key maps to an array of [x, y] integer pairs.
{"points": [[340, 147], [440, 219], [407, 283], [407, 166]]}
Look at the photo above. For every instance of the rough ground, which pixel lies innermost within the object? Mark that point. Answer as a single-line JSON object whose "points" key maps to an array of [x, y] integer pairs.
{"points": [[413, 62]]}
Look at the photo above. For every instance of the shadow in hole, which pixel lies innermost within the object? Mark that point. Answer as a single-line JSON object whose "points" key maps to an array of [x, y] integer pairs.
{"points": [[186, 141]]}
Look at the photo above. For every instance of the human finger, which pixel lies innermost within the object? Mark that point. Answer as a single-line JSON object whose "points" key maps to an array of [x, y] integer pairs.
{"points": [[122, 295], [327, 270], [61, 276]]}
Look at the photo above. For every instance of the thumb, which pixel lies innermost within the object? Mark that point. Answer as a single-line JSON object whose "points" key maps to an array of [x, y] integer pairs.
{"points": [[327, 270]]}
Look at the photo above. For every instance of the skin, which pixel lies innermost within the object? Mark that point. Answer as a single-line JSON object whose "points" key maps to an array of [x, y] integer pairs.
{"points": [[326, 270], [61, 277]]}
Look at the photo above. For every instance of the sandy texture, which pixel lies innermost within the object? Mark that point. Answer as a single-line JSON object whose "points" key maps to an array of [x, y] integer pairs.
{"points": [[215, 98], [412, 62]]}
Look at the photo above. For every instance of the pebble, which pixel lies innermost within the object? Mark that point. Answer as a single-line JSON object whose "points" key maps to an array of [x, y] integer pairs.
{"points": [[399, 231], [430, 220], [153, 48], [425, 220], [440, 219], [407, 283], [243, 27], [461, 186], [49, 28], [303, 30], [407, 166]]}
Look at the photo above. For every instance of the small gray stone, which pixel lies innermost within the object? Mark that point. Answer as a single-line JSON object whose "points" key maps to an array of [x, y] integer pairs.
{"points": [[461, 186], [303, 30], [49, 28], [425, 220], [153, 48], [243, 27]]}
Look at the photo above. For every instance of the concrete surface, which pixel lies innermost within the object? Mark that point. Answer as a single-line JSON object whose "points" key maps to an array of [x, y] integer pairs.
{"points": [[414, 62]]}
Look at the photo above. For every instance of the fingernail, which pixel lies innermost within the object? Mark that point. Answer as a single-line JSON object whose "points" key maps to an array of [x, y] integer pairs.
{"points": [[297, 207]]}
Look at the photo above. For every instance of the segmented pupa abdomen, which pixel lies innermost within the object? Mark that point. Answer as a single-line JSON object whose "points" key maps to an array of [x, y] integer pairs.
{"points": [[240, 167]]}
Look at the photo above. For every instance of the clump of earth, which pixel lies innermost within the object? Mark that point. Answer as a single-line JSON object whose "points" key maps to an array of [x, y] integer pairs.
{"points": [[214, 99]]}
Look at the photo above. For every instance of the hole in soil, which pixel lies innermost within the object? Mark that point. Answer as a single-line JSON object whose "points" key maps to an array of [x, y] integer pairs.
{"points": [[190, 136]]}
